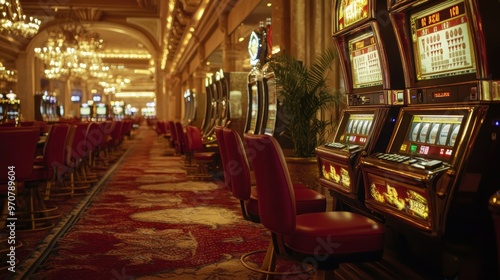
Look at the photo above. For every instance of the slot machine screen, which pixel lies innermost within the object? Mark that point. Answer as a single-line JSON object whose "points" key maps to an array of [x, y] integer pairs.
{"points": [[272, 106], [254, 105], [85, 111], [365, 62], [429, 134], [101, 110], [355, 128], [442, 41]]}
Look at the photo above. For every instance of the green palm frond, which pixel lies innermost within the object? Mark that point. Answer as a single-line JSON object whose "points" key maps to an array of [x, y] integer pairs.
{"points": [[304, 91]]}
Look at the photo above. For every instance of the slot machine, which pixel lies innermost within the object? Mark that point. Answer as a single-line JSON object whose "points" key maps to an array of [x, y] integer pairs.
{"points": [[223, 105], [118, 110], [207, 116], [40, 106], [233, 85], [375, 93], [257, 48], [211, 112], [12, 108], [274, 116], [101, 111], [433, 182], [85, 112], [189, 107]]}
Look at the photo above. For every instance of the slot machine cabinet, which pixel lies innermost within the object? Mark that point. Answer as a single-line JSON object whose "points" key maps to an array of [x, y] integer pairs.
{"points": [[212, 113], [86, 112], [12, 108], [207, 115], [40, 106], [433, 182], [257, 48], [221, 86], [255, 98], [274, 116], [375, 93], [117, 109], [234, 88], [189, 107], [101, 112]]}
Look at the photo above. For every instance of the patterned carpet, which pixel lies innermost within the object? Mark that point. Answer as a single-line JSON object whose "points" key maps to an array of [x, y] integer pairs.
{"points": [[149, 221]]}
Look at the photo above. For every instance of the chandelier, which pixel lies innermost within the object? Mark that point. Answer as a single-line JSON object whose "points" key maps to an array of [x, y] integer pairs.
{"points": [[71, 50], [14, 21], [7, 75]]}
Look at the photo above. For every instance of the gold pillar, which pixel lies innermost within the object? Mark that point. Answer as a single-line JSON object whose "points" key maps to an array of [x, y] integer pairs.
{"points": [[280, 15], [160, 92], [25, 86]]}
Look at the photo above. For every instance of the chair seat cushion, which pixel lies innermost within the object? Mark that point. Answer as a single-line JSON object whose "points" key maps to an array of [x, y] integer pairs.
{"points": [[206, 156], [335, 233], [308, 201]]}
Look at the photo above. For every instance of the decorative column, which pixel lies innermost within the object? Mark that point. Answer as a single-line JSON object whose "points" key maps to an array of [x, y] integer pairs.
{"points": [[26, 86], [160, 92], [300, 23], [280, 20]]}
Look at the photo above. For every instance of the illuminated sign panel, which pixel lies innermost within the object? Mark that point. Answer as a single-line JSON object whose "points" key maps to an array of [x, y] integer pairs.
{"points": [[442, 41], [351, 11]]}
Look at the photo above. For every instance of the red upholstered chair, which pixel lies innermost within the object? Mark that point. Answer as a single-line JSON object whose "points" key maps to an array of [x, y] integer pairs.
{"points": [[322, 239], [175, 137], [127, 128], [223, 155], [203, 159], [238, 168], [17, 150], [79, 180], [180, 144], [51, 167]]}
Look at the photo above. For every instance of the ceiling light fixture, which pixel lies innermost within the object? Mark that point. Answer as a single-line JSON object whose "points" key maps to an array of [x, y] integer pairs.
{"points": [[14, 21]]}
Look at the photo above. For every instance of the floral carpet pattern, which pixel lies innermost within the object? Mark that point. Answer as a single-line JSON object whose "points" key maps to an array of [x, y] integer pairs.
{"points": [[151, 222]]}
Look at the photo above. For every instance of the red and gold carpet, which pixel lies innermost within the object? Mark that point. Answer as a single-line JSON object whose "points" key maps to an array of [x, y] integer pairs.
{"points": [[149, 221]]}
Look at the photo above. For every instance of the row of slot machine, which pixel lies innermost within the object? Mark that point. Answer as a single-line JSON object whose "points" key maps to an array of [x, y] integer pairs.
{"points": [[225, 92], [47, 107], [10, 108], [265, 113], [417, 146], [246, 101], [98, 111]]}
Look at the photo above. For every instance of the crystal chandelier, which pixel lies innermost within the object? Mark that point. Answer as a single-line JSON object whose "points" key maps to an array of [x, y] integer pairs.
{"points": [[14, 21], [71, 50]]}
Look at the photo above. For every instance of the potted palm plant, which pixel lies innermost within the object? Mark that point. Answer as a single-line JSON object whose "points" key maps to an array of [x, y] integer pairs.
{"points": [[303, 91]]}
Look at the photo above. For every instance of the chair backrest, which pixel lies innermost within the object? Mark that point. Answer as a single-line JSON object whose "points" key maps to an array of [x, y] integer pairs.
{"points": [[55, 145], [79, 145], [277, 209], [17, 149], [238, 166], [181, 137], [223, 155], [193, 137], [93, 137], [127, 127], [171, 125]]}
